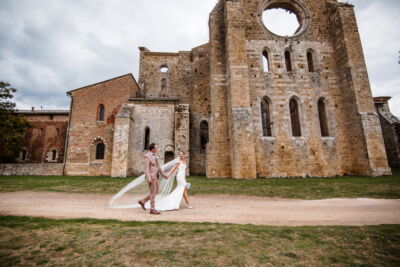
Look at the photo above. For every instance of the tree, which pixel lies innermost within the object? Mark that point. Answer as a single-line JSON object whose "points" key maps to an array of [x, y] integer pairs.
{"points": [[12, 125]]}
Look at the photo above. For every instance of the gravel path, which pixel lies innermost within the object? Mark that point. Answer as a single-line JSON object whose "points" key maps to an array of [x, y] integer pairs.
{"points": [[215, 208]]}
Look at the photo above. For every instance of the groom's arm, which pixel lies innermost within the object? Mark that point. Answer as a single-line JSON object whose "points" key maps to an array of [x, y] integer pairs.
{"points": [[162, 173]]}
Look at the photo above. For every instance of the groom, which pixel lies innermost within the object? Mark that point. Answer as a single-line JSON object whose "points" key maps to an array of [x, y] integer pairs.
{"points": [[152, 171]]}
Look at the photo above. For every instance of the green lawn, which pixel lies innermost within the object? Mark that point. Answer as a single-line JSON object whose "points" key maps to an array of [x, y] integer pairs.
{"points": [[36, 241], [302, 188]]}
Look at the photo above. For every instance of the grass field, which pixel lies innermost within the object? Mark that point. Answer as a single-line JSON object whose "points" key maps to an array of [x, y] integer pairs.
{"points": [[302, 188], [29, 241]]}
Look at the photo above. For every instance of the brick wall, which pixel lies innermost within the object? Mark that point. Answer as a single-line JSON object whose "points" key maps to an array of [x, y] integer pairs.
{"points": [[86, 130], [46, 169]]}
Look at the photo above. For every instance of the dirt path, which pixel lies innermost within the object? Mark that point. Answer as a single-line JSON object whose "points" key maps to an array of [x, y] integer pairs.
{"points": [[222, 209]]}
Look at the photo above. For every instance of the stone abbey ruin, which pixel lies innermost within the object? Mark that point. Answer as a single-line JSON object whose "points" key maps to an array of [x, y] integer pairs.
{"points": [[247, 104]]}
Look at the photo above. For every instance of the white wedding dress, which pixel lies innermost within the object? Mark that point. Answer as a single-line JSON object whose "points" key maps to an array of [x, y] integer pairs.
{"points": [[168, 198], [173, 200]]}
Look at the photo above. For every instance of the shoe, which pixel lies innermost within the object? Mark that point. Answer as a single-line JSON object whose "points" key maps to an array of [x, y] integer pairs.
{"points": [[155, 212], [141, 204], [189, 207]]}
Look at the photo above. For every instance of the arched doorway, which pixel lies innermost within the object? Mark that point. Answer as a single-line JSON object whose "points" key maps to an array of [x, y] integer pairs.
{"points": [[169, 155]]}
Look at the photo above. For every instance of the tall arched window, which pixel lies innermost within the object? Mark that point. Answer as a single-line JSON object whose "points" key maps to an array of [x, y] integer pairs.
{"points": [[266, 117], [100, 149], [146, 138], [53, 154], [323, 119], [163, 84], [295, 117], [23, 154], [288, 61], [310, 61], [265, 61], [204, 132], [101, 112]]}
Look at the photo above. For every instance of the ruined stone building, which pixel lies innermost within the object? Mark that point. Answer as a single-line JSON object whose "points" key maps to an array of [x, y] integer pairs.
{"points": [[391, 130], [249, 103], [44, 142]]}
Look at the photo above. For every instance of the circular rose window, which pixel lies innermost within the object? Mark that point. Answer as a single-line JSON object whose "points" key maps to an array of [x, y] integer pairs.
{"points": [[284, 18]]}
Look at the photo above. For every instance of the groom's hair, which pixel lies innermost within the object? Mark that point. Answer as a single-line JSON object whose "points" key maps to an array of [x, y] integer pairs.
{"points": [[152, 146]]}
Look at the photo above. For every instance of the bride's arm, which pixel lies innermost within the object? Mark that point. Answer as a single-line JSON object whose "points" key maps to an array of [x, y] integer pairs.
{"points": [[172, 170]]}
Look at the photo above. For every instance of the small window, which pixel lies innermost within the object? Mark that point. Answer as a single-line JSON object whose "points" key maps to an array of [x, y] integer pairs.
{"points": [[164, 84], [23, 154], [266, 117], [100, 149], [204, 135], [164, 69], [310, 61], [41, 131], [53, 154], [265, 61], [101, 112], [288, 61], [323, 120], [146, 138], [295, 117], [58, 131]]}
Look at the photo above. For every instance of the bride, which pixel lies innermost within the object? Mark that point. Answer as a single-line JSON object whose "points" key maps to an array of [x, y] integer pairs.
{"points": [[173, 200], [166, 199]]}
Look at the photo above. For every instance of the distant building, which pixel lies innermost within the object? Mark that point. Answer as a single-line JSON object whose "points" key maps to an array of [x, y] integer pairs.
{"points": [[44, 142]]}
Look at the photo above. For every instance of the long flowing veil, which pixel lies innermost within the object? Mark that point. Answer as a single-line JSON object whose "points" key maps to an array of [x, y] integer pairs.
{"points": [[136, 190]]}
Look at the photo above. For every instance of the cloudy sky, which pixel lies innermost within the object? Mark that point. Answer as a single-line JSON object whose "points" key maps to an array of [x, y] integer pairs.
{"points": [[49, 47]]}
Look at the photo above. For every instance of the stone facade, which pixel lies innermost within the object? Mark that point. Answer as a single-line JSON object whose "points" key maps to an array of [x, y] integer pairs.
{"points": [[309, 112], [239, 83], [391, 130], [161, 121]]}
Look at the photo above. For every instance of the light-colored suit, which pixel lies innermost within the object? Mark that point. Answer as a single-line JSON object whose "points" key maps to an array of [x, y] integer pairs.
{"points": [[152, 171]]}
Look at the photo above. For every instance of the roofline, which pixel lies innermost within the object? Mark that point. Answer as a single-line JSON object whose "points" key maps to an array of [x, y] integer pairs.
{"points": [[43, 112], [128, 74]]}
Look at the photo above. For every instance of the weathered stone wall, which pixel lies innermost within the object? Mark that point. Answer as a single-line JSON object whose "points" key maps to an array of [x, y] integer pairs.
{"points": [[181, 130], [46, 169], [200, 108], [85, 128], [362, 148], [159, 117], [48, 132], [283, 154], [239, 82], [122, 147], [178, 77], [188, 79], [391, 134], [218, 161]]}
